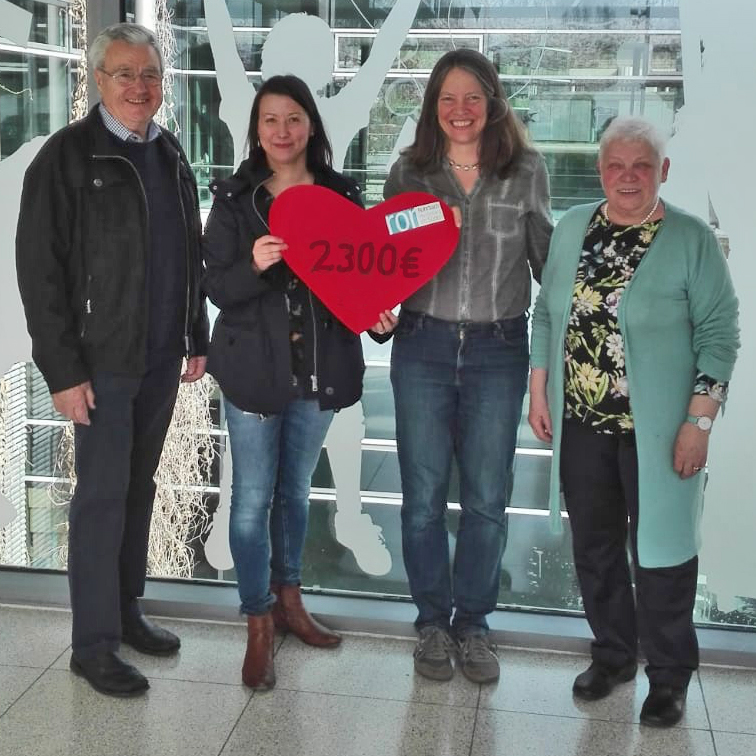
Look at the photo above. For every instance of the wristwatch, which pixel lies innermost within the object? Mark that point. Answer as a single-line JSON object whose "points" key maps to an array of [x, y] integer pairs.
{"points": [[702, 422]]}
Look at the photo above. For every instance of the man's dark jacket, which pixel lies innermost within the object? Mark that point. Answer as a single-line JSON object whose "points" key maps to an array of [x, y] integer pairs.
{"points": [[250, 354], [82, 246]]}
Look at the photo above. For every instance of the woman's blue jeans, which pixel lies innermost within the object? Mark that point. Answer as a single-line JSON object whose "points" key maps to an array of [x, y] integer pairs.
{"points": [[273, 459], [458, 391]]}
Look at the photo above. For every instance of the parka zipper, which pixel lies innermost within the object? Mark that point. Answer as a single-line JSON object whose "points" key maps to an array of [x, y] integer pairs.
{"points": [[189, 261], [87, 305], [314, 375]]}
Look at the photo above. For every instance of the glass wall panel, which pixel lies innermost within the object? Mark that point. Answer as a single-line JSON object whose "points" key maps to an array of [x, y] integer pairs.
{"points": [[568, 69], [34, 96], [38, 73], [566, 73]]}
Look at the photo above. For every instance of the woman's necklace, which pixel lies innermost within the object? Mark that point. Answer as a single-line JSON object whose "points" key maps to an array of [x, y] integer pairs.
{"points": [[645, 220], [463, 166]]}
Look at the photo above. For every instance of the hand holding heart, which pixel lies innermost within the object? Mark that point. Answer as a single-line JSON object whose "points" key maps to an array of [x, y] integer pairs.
{"points": [[386, 322], [266, 251], [361, 263]]}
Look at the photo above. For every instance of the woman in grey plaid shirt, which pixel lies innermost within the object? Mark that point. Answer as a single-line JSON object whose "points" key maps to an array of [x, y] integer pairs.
{"points": [[459, 362]]}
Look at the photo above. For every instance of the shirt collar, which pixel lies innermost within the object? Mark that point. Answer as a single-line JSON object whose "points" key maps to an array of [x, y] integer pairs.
{"points": [[114, 126]]}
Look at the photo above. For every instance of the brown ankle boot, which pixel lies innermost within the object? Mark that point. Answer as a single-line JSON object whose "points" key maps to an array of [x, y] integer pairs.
{"points": [[258, 672], [290, 615]]}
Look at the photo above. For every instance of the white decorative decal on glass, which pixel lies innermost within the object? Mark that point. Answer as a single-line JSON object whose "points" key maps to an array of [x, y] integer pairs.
{"points": [[711, 175], [303, 45], [15, 24], [217, 548]]}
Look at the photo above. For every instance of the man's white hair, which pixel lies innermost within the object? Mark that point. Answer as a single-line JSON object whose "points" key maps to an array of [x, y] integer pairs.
{"points": [[133, 34]]}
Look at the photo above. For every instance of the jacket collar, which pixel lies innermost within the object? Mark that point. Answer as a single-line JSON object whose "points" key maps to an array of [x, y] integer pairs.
{"points": [[114, 126], [247, 178], [101, 142]]}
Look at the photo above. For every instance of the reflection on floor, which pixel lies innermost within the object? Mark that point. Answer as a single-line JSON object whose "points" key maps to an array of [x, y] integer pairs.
{"points": [[360, 700]]}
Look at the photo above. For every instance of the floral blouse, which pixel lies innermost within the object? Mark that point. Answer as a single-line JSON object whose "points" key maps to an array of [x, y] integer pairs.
{"points": [[298, 306], [595, 378]]}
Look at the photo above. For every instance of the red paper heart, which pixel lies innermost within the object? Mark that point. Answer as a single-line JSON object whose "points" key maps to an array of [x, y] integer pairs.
{"points": [[349, 257]]}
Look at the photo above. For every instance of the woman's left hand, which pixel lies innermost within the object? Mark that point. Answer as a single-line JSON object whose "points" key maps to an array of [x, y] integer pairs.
{"points": [[690, 451], [539, 416], [386, 323]]}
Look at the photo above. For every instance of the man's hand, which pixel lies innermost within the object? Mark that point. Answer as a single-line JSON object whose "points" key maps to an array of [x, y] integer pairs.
{"points": [[74, 403], [195, 369]]}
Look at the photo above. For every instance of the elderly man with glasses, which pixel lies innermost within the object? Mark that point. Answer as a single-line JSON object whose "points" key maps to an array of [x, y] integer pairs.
{"points": [[108, 261]]}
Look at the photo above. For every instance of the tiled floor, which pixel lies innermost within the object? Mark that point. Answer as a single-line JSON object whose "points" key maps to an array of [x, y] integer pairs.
{"points": [[359, 700]]}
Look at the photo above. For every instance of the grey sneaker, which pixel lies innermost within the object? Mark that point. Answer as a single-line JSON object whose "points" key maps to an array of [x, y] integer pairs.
{"points": [[433, 654], [477, 657]]}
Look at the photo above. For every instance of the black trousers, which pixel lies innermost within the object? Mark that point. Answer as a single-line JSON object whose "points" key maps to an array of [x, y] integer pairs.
{"points": [[110, 512], [600, 480]]}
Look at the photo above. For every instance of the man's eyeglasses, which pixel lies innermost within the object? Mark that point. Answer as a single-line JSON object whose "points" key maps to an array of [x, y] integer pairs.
{"points": [[128, 78]]}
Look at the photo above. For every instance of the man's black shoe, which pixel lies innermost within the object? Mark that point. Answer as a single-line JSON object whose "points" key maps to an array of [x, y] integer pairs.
{"points": [[144, 635], [663, 706], [598, 680], [107, 673]]}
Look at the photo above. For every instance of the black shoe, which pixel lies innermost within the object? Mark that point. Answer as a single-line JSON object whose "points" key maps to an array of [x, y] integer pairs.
{"points": [[144, 635], [664, 706], [598, 680], [107, 673]]}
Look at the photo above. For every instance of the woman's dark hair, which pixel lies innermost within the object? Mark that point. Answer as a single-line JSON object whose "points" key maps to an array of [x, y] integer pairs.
{"points": [[504, 137], [319, 152]]}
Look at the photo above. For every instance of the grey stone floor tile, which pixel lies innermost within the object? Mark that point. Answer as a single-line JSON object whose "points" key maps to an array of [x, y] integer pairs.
{"points": [[60, 715], [294, 723], [541, 683], [210, 652], [33, 637], [513, 734], [13, 682], [371, 667], [734, 744], [730, 696]]}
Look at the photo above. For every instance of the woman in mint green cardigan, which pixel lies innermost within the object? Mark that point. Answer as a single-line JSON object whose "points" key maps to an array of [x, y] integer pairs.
{"points": [[634, 341]]}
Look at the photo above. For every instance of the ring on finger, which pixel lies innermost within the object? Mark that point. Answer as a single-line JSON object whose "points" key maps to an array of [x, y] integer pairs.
{"points": [[696, 469]]}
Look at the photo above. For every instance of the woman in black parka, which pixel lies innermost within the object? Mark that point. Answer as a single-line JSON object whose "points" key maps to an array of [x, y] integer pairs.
{"points": [[283, 362]]}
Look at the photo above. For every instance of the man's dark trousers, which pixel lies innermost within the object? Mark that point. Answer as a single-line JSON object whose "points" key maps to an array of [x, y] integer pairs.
{"points": [[110, 513]]}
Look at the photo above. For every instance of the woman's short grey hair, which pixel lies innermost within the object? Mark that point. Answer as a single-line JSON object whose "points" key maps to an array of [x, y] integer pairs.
{"points": [[634, 129], [133, 34]]}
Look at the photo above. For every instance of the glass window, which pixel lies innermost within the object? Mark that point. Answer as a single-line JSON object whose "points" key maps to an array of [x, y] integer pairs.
{"points": [[566, 72]]}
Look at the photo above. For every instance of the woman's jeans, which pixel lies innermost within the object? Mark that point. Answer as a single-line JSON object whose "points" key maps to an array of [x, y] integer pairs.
{"points": [[273, 459], [458, 391]]}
